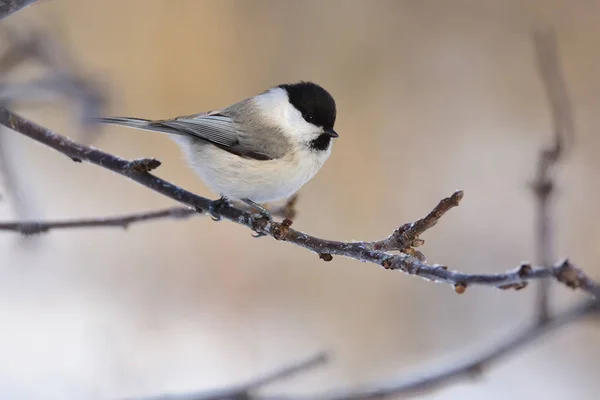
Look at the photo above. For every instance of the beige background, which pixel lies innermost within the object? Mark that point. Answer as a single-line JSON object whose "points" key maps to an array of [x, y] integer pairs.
{"points": [[432, 96]]}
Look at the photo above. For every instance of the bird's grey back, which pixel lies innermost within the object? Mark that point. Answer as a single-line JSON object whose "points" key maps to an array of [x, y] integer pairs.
{"points": [[256, 134], [249, 134], [240, 129]]}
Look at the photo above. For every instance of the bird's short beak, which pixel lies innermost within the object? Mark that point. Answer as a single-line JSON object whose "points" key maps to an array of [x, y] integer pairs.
{"points": [[331, 132]]}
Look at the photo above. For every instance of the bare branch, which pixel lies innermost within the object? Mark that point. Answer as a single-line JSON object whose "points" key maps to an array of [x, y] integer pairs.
{"points": [[7, 7], [549, 68], [361, 251], [62, 80], [469, 368], [123, 221], [244, 391]]}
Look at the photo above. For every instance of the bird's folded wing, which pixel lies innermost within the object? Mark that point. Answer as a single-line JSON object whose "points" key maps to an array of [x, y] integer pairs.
{"points": [[217, 129]]}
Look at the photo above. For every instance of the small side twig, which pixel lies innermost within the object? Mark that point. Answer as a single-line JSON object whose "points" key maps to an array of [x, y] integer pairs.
{"points": [[549, 68], [406, 237]]}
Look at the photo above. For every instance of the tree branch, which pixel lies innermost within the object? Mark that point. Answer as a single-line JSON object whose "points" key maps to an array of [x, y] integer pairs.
{"points": [[29, 228], [546, 50], [471, 367], [564, 272], [405, 239], [8, 7]]}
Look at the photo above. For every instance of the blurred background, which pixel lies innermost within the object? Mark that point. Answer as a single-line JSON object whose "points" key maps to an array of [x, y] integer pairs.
{"points": [[432, 96]]}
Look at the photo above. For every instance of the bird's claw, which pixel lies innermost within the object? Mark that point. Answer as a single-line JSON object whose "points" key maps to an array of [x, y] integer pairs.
{"points": [[261, 216], [215, 206]]}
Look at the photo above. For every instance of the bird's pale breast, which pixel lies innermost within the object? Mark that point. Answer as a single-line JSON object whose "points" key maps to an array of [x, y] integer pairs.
{"points": [[259, 180]]}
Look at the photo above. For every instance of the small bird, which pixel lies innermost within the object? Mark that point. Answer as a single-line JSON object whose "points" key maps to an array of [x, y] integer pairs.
{"points": [[261, 149]]}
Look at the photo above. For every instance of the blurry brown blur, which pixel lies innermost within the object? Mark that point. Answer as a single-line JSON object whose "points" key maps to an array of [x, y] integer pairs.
{"points": [[432, 96]]}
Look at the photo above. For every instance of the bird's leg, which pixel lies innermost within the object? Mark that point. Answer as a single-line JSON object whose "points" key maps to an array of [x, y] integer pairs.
{"points": [[263, 212], [214, 207]]}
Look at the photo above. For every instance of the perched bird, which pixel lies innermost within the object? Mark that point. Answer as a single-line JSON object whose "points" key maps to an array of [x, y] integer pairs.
{"points": [[263, 148]]}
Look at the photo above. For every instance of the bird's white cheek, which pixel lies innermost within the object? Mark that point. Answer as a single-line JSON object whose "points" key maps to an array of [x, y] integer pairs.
{"points": [[277, 111], [298, 128]]}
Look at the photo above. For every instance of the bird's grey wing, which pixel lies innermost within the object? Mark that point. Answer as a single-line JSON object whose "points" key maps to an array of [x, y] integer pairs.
{"points": [[221, 130]]}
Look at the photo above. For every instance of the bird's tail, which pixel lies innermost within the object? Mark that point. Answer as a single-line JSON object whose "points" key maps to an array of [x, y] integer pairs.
{"points": [[137, 123]]}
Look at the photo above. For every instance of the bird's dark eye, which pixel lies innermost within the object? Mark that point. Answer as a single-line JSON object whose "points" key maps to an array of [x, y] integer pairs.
{"points": [[309, 118]]}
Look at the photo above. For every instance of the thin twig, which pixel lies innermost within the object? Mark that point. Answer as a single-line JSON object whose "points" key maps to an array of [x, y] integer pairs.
{"points": [[122, 221], [245, 391], [406, 237], [550, 71], [8, 7], [565, 272]]}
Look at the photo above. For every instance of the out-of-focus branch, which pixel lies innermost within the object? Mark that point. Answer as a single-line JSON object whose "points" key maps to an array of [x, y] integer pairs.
{"points": [[7, 7], [58, 80], [18, 193], [565, 272], [549, 68], [470, 367], [246, 391]]}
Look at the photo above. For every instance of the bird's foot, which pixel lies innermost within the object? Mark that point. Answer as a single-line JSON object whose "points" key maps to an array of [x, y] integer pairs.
{"points": [[263, 213], [215, 206]]}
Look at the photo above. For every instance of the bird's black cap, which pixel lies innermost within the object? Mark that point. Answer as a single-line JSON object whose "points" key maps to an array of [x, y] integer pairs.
{"points": [[315, 104]]}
